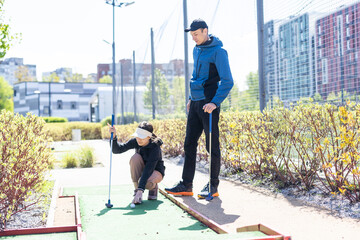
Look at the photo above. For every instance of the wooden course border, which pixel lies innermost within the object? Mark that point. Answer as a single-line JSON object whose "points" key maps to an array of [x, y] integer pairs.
{"points": [[272, 235]]}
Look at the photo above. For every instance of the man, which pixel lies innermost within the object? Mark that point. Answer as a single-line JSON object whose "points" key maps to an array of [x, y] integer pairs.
{"points": [[210, 84]]}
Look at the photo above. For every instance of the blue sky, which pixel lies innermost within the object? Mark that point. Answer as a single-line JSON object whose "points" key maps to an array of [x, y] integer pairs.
{"points": [[71, 33]]}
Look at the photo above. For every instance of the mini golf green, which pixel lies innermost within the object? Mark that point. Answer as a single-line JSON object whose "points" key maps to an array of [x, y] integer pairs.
{"points": [[160, 219], [46, 236]]}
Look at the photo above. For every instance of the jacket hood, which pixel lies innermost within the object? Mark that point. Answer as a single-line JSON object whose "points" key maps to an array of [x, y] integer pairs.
{"points": [[152, 144], [215, 41]]}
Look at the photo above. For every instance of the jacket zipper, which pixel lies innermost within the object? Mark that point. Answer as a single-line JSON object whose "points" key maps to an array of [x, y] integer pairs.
{"points": [[197, 63]]}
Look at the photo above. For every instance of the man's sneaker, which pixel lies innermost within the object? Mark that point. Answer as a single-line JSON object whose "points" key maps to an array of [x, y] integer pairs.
{"points": [[205, 192], [153, 193], [180, 190]]}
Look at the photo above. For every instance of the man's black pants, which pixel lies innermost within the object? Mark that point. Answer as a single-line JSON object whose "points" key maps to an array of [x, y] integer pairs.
{"points": [[197, 121]]}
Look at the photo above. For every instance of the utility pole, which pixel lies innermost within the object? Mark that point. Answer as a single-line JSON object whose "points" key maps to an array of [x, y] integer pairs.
{"points": [[122, 93], [260, 28], [186, 58], [152, 74], [134, 81], [117, 4], [49, 97]]}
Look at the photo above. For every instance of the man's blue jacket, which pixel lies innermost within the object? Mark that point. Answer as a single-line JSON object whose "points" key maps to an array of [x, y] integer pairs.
{"points": [[211, 78]]}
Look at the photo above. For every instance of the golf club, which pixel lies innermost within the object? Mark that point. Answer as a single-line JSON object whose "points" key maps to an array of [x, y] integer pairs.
{"points": [[108, 204], [210, 197]]}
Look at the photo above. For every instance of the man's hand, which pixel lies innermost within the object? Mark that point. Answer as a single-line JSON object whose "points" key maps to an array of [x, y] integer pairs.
{"points": [[188, 106], [209, 107], [138, 197], [112, 129]]}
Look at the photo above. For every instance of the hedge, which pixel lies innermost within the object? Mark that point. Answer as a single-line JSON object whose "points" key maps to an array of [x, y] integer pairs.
{"points": [[63, 131], [292, 146]]}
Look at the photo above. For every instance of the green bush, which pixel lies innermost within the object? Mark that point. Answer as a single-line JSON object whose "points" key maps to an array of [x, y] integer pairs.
{"points": [[86, 156], [290, 146], [54, 119], [70, 160], [25, 156], [128, 118], [63, 131]]}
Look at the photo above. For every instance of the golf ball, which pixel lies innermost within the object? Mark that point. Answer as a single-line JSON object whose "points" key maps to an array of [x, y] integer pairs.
{"points": [[132, 205]]}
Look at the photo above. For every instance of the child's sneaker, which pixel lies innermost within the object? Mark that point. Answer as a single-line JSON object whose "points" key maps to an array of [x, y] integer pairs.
{"points": [[153, 193], [180, 190], [205, 192]]}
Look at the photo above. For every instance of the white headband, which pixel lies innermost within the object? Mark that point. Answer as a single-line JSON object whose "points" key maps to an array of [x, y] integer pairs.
{"points": [[142, 133]]}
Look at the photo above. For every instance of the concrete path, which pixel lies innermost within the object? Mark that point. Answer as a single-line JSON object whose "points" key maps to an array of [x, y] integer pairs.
{"points": [[238, 205]]}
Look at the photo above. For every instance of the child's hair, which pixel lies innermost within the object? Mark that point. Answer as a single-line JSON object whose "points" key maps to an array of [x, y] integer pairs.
{"points": [[148, 127]]}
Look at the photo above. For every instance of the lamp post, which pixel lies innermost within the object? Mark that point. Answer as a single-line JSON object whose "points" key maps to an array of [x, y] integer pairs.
{"points": [[38, 93], [115, 3]]}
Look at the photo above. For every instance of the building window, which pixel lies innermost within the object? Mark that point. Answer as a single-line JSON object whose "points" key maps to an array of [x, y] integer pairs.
{"points": [[73, 105], [319, 29], [319, 41], [14, 93], [348, 44], [59, 104], [348, 32], [347, 19], [324, 71], [320, 54], [340, 35]]}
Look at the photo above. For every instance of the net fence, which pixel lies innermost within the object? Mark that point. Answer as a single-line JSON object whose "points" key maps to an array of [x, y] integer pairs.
{"points": [[311, 50]]}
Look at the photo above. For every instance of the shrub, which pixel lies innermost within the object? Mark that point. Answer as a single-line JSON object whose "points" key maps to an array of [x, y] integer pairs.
{"points": [[54, 119], [86, 156], [70, 160], [128, 118], [290, 146], [63, 131], [25, 157]]}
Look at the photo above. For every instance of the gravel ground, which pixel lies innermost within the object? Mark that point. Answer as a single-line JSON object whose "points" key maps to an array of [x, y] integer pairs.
{"points": [[338, 205], [34, 216]]}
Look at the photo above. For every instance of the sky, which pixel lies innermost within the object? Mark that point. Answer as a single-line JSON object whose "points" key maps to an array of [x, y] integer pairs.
{"points": [[76, 34]]}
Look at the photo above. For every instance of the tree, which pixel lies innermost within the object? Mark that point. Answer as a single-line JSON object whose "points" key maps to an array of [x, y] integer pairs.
{"points": [[249, 99], [161, 93], [53, 77], [6, 95], [77, 77], [5, 34], [22, 74], [105, 79], [90, 79], [233, 99], [178, 94]]}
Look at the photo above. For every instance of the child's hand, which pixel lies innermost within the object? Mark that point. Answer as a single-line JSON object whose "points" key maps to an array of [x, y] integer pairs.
{"points": [[138, 197], [112, 129]]}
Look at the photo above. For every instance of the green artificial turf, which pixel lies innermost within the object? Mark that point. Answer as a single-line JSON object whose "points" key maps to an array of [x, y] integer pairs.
{"points": [[160, 219]]}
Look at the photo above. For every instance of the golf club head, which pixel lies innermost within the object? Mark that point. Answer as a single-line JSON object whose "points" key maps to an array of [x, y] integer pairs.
{"points": [[108, 204], [209, 197]]}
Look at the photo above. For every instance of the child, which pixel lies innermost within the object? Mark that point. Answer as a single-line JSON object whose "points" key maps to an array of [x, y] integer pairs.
{"points": [[146, 165]]}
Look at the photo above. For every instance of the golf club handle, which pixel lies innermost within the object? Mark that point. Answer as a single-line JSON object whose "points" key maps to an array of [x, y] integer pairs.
{"points": [[112, 124], [210, 122]]}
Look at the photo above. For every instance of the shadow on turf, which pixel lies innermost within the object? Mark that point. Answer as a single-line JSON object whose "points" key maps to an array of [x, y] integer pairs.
{"points": [[195, 227], [138, 210]]}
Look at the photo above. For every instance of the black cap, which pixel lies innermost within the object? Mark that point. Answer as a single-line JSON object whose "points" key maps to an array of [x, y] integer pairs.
{"points": [[196, 24]]}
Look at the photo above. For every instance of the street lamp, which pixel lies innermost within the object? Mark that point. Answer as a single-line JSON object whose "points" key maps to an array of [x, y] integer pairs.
{"points": [[38, 93], [117, 4]]}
